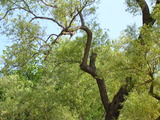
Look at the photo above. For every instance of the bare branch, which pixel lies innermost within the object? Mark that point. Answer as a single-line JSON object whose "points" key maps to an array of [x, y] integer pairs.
{"points": [[8, 12], [51, 36], [37, 17], [22, 8], [81, 18], [47, 18]]}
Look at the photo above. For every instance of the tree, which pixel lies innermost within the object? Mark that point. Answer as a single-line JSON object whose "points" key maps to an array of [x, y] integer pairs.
{"points": [[137, 64]]}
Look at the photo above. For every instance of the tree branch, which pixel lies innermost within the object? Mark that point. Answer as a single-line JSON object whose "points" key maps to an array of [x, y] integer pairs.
{"points": [[88, 44], [78, 13], [48, 4], [116, 104], [103, 93], [26, 4], [146, 15], [47, 18], [35, 16], [152, 92], [157, 2], [8, 12], [91, 69], [93, 60], [145, 82], [51, 36], [145, 11], [81, 18]]}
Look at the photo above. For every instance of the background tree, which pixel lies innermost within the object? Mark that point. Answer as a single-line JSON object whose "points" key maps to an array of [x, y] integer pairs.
{"points": [[124, 70]]}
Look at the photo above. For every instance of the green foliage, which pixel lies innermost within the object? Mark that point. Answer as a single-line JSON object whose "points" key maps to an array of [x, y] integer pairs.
{"points": [[42, 80], [74, 88], [131, 31], [132, 7], [49, 99], [20, 57], [29, 101], [156, 14], [140, 106]]}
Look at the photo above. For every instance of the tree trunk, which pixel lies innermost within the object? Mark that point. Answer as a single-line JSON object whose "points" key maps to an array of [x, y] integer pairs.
{"points": [[115, 106], [111, 108]]}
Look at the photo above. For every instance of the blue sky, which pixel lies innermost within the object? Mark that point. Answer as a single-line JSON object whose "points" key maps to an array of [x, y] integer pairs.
{"points": [[111, 15]]}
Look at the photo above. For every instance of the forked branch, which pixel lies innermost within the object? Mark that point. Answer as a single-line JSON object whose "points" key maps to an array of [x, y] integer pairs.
{"points": [[91, 69]]}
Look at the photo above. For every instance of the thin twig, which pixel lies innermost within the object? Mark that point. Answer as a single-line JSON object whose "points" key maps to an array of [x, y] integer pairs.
{"points": [[8, 12]]}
